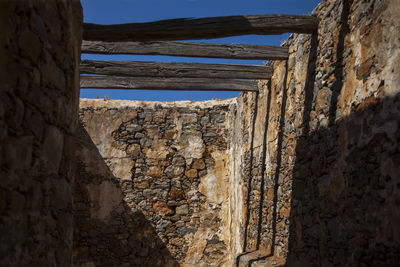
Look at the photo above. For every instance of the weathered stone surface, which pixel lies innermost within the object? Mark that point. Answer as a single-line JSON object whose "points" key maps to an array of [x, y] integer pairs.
{"points": [[176, 193], [162, 208], [53, 148], [155, 172], [321, 188], [38, 119], [199, 164], [18, 152], [182, 210], [133, 150], [310, 165], [191, 146], [121, 168], [192, 173], [157, 156], [30, 45], [104, 198], [169, 134], [108, 229], [158, 150]]}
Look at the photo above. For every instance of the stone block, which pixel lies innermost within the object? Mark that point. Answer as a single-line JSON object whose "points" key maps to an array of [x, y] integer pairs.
{"points": [[53, 75], [52, 148], [139, 135], [169, 134], [134, 128], [142, 185], [182, 210], [199, 164], [30, 45], [133, 150], [192, 173], [122, 168], [155, 172], [17, 152], [162, 208], [175, 193], [177, 171]]}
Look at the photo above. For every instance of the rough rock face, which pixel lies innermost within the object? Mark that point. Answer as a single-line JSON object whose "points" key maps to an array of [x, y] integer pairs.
{"points": [[169, 163], [321, 170], [107, 232], [39, 97], [306, 172]]}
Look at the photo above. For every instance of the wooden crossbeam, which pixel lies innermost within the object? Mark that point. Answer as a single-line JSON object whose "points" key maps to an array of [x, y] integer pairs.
{"points": [[204, 28], [183, 84], [187, 49], [176, 70]]}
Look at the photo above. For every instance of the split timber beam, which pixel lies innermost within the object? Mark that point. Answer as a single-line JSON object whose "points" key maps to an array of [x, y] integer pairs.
{"points": [[203, 28], [175, 70], [187, 49], [182, 84]]}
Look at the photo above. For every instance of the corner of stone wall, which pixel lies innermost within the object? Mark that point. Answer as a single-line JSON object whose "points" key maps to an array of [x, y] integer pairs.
{"points": [[154, 183], [327, 193]]}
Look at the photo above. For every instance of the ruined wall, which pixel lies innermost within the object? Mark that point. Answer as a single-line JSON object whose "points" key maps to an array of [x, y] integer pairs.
{"points": [[305, 172], [39, 94], [323, 185], [107, 232], [168, 190]]}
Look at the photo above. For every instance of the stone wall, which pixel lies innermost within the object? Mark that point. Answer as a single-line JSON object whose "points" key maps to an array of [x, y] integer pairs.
{"points": [[306, 172], [321, 168], [39, 95], [167, 193], [107, 232]]}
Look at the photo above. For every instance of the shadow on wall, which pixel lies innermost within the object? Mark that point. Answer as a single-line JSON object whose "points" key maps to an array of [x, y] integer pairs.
{"points": [[346, 190], [107, 232], [250, 182], [345, 200], [269, 250], [345, 208]]}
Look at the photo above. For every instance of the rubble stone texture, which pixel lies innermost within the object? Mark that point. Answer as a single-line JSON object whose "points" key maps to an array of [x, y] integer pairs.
{"points": [[169, 164], [39, 77], [312, 169], [328, 193], [304, 173]]}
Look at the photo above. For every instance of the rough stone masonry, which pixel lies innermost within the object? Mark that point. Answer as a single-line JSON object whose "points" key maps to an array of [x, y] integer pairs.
{"points": [[304, 173], [322, 187], [308, 172], [39, 98], [169, 165]]}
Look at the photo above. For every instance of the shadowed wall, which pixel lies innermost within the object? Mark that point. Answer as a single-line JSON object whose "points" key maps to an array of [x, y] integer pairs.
{"points": [[39, 95], [329, 194]]}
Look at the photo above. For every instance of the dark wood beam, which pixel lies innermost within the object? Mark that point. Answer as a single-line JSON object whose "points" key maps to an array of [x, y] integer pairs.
{"points": [[203, 28], [183, 84], [175, 70], [186, 49]]}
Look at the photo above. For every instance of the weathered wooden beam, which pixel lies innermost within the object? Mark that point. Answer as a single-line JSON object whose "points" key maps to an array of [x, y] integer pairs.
{"points": [[175, 70], [150, 83], [186, 49], [204, 28]]}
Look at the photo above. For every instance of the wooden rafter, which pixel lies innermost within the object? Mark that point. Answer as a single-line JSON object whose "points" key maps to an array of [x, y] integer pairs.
{"points": [[189, 84], [187, 49], [203, 28], [175, 70]]}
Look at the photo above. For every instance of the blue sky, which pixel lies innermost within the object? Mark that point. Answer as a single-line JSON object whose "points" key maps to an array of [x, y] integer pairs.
{"points": [[128, 11]]}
